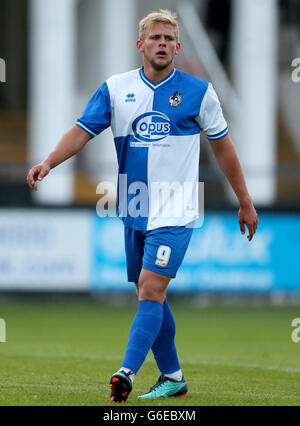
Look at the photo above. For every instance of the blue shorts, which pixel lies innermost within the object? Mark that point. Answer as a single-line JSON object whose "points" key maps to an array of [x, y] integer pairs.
{"points": [[160, 250]]}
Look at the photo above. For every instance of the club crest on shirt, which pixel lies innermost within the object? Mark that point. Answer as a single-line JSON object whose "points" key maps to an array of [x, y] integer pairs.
{"points": [[175, 99]]}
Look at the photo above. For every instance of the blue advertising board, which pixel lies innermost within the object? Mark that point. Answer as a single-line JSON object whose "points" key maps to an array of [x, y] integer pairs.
{"points": [[219, 258]]}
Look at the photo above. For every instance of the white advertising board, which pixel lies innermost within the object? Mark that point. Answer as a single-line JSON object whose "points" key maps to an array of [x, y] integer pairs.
{"points": [[44, 250]]}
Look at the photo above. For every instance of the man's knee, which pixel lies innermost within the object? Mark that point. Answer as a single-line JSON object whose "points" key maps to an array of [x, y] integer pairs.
{"points": [[148, 290], [153, 288]]}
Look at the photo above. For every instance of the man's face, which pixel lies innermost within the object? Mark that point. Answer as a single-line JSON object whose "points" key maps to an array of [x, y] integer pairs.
{"points": [[160, 46]]}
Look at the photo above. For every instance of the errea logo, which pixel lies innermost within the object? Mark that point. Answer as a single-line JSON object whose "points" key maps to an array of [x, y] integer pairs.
{"points": [[130, 97]]}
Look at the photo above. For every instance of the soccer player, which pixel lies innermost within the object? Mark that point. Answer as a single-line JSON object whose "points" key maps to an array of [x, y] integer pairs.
{"points": [[156, 114]]}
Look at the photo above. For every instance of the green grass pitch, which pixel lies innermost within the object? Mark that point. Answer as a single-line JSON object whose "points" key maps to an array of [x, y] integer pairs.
{"points": [[64, 354]]}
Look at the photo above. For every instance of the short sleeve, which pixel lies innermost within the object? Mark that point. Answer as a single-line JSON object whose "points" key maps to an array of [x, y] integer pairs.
{"points": [[97, 114], [210, 118]]}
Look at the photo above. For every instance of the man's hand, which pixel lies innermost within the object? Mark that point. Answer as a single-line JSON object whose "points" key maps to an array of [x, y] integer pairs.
{"points": [[37, 173], [227, 158], [248, 217], [70, 143]]}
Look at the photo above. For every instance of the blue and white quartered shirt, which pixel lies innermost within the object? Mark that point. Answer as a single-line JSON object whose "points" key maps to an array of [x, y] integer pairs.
{"points": [[156, 129]]}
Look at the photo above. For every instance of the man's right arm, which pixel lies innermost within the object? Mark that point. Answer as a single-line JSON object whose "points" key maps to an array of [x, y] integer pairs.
{"points": [[71, 143]]}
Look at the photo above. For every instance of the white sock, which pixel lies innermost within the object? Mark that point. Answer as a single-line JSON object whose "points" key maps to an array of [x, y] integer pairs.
{"points": [[127, 370], [177, 375]]}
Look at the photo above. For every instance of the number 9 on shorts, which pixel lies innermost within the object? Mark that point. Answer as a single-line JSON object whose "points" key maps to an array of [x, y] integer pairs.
{"points": [[163, 255]]}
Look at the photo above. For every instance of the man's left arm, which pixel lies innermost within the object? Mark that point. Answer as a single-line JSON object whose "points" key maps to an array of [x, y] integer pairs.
{"points": [[227, 158]]}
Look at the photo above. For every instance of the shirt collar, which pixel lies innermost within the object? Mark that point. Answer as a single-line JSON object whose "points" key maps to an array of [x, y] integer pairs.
{"points": [[150, 83]]}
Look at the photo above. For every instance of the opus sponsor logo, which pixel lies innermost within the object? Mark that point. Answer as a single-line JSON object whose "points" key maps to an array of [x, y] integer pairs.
{"points": [[151, 127]]}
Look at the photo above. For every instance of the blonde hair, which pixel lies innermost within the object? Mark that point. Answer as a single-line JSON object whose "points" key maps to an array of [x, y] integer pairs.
{"points": [[163, 16]]}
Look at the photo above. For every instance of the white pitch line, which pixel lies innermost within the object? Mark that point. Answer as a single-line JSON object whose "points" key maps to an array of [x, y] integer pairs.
{"points": [[102, 357], [243, 365], [139, 390], [56, 386]]}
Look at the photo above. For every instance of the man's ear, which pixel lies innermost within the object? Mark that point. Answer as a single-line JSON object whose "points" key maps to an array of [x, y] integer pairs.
{"points": [[178, 47], [140, 46]]}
